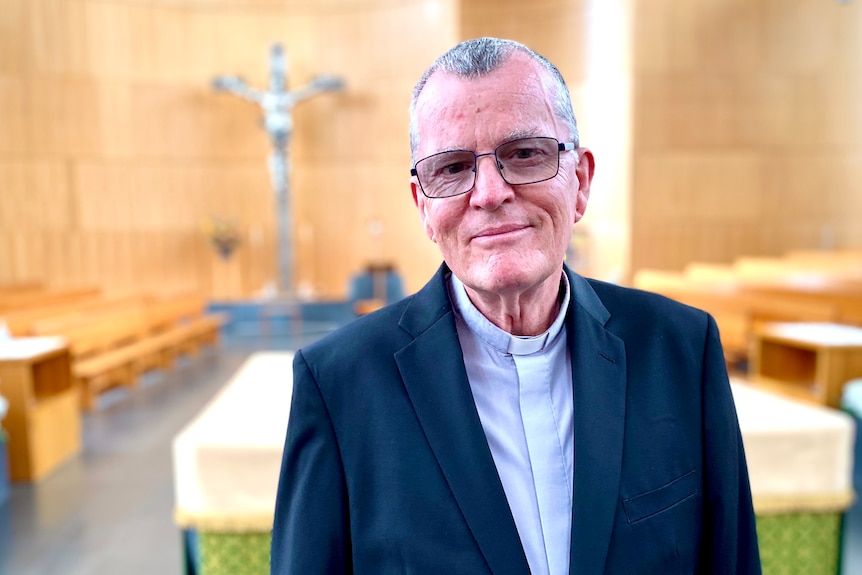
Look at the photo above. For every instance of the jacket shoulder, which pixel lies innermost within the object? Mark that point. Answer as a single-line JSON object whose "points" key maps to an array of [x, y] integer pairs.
{"points": [[364, 334], [648, 310]]}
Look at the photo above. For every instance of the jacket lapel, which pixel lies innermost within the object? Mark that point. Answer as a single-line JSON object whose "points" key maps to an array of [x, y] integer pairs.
{"points": [[599, 374], [432, 368]]}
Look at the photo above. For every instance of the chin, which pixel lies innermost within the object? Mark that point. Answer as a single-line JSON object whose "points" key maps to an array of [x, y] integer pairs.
{"points": [[516, 277]]}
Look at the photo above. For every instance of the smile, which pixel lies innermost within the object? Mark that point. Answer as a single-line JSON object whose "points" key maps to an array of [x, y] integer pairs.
{"points": [[502, 232]]}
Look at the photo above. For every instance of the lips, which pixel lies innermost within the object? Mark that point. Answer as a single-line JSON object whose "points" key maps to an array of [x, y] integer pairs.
{"points": [[499, 230]]}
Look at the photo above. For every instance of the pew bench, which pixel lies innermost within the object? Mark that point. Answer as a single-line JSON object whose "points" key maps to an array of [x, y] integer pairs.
{"points": [[114, 348], [57, 316], [741, 304], [16, 301]]}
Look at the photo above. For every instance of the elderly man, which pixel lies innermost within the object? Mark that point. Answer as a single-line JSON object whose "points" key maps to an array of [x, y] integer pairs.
{"points": [[511, 417]]}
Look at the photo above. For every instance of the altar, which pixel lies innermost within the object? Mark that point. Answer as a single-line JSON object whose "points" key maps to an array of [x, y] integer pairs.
{"points": [[227, 462], [226, 467], [800, 465]]}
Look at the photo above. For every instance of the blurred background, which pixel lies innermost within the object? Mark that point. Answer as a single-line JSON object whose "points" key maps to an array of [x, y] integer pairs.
{"points": [[721, 128], [728, 142]]}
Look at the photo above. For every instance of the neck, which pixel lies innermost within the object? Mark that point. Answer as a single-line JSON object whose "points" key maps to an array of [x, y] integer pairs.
{"points": [[527, 313]]}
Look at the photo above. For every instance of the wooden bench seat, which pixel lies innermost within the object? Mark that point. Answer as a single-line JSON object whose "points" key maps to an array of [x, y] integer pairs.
{"points": [[114, 347], [55, 317], [739, 306], [803, 286], [16, 301], [20, 287], [185, 316]]}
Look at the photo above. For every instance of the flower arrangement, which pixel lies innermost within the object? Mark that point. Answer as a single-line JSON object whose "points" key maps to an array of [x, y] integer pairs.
{"points": [[223, 234]]}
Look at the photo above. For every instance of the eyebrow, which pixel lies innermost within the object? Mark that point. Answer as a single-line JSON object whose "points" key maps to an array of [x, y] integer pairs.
{"points": [[520, 133], [513, 135]]}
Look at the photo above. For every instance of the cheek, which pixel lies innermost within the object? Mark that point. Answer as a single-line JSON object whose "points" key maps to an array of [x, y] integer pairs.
{"points": [[568, 197], [429, 231], [440, 222], [560, 202], [434, 227], [427, 218]]}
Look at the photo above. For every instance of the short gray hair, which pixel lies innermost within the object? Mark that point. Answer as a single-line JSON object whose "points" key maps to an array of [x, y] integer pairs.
{"points": [[474, 58]]}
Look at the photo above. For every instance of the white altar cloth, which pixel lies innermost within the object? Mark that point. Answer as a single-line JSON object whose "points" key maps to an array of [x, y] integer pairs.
{"points": [[800, 456], [227, 459]]}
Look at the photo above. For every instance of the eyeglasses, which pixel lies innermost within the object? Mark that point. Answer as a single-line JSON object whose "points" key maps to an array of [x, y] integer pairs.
{"points": [[521, 161]]}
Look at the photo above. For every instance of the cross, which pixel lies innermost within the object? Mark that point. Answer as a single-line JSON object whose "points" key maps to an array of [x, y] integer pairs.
{"points": [[277, 105]]}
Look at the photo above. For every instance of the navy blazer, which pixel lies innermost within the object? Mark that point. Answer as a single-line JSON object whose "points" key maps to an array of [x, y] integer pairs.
{"points": [[386, 468]]}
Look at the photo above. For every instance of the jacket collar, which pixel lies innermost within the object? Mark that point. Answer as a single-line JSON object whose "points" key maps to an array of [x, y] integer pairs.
{"points": [[599, 380], [432, 367]]}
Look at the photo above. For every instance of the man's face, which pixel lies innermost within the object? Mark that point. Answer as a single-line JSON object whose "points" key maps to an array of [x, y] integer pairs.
{"points": [[499, 238]]}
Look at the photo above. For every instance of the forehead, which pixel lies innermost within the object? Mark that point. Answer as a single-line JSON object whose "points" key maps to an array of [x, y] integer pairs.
{"points": [[510, 102]]}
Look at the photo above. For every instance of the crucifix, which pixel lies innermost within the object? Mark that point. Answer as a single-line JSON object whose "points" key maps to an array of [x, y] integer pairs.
{"points": [[277, 104]]}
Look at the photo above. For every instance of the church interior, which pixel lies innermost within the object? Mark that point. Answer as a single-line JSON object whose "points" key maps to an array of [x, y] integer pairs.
{"points": [[192, 190]]}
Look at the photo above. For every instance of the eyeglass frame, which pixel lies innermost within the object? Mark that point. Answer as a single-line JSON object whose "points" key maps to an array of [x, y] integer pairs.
{"points": [[561, 147]]}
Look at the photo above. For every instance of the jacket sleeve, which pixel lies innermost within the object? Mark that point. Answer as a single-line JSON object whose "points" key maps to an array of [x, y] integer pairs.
{"points": [[310, 533], [730, 536]]}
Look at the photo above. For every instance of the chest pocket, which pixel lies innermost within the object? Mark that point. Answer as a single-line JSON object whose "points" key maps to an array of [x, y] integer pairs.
{"points": [[653, 502]]}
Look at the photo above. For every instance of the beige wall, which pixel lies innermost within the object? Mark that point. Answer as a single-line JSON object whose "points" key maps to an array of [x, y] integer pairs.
{"points": [[720, 128], [587, 40], [114, 150], [747, 128]]}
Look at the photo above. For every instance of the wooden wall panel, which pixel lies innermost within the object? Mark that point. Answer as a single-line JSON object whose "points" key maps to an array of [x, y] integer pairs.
{"points": [[587, 40], [351, 174], [747, 129], [117, 150], [746, 132], [12, 128], [13, 32], [34, 195], [557, 29]]}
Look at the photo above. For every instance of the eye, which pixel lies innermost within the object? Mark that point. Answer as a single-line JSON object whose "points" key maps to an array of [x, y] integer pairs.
{"points": [[448, 164], [524, 153], [454, 168]]}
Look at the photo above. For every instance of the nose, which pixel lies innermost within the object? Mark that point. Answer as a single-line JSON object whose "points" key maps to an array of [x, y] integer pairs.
{"points": [[490, 190]]}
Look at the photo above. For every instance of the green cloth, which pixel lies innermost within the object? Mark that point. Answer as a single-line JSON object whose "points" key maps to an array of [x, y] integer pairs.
{"points": [[234, 553], [790, 544], [799, 543]]}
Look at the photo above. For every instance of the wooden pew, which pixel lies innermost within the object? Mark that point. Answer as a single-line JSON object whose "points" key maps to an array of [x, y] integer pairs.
{"points": [[57, 317], [722, 300], [106, 353], [800, 268], [114, 347], [736, 306], [182, 319], [20, 287], [752, 291], [809, 279], [12, 302], [845, 298]]}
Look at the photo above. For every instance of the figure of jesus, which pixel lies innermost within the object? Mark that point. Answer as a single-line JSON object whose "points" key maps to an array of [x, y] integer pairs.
{"points": [[277, 104]]}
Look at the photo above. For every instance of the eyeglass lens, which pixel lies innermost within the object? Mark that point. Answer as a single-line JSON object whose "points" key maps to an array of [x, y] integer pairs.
{"points": [[522, 161]]}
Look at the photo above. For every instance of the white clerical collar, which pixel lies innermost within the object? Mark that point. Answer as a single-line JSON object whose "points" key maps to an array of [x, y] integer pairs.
{"points": [[501, 340]]}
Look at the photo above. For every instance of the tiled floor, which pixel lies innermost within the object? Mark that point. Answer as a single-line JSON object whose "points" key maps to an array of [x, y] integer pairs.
{"points": [[109, 511]]}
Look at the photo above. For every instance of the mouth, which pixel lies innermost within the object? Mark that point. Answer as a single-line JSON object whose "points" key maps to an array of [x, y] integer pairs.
{"points": [[500, 232]]}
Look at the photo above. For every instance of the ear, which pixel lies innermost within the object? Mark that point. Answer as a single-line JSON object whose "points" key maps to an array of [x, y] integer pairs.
{"points": [[584, 171], [422, 205]]}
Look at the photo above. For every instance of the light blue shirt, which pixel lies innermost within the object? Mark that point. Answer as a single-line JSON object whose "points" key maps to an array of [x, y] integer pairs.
{"points": [[522, 387]]}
